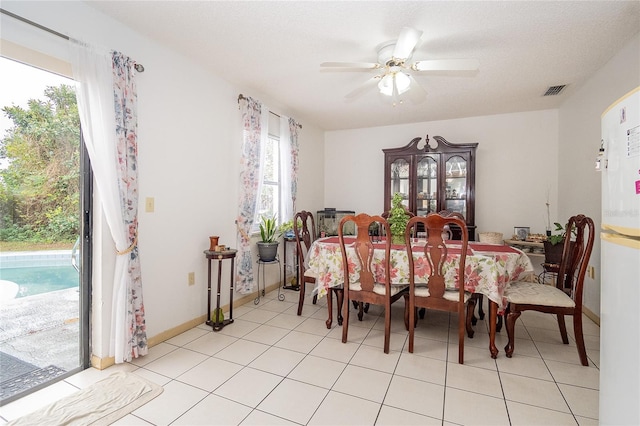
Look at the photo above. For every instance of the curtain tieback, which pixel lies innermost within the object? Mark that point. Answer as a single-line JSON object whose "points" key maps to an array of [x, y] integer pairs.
{"points": [[242, 232], [128, 249]]}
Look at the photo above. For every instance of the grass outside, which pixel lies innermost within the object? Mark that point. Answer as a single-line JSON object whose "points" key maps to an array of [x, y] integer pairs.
{"points": [[31, 246]]}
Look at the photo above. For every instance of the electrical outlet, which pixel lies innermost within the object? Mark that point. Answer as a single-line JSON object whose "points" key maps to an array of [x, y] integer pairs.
{"points": [[591, 272], [192, 278], [149, 205]]}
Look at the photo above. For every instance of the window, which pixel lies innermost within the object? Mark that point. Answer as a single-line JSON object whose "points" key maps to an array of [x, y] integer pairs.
{"points": [[269, 198]]}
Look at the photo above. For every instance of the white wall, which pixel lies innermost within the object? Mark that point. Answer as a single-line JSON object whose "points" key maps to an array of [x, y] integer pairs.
{"points": [[579, 184], [189, 146], [515, 170]]}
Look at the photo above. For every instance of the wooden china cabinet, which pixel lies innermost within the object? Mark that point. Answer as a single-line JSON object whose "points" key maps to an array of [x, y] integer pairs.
{"points": [[433, 175]]}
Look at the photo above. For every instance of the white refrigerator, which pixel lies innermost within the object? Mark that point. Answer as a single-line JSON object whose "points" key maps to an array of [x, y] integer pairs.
{"points": [[620, 263]]}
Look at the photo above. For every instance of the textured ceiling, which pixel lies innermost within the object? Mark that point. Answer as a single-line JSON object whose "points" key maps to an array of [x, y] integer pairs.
{"points": [[276, 48]]}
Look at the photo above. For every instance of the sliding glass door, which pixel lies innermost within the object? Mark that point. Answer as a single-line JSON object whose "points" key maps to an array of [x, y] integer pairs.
{"points": [[45, 241]]}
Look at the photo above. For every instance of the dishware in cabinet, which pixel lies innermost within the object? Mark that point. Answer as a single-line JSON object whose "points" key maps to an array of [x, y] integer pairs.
{"points": [[432, 175]]}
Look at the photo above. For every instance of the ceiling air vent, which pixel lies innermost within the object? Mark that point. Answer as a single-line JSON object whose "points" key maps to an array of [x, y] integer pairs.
{"points": [[554, 90]]}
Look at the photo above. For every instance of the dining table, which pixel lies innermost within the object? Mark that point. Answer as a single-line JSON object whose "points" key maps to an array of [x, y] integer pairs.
{"points": [[489, 268]]}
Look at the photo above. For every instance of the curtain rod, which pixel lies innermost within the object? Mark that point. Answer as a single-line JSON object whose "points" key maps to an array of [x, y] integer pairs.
{"points": [[137, 66], [241, 97]]}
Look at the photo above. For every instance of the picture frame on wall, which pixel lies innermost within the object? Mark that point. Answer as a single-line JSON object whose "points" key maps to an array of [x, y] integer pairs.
{"points": [[521, 232]]}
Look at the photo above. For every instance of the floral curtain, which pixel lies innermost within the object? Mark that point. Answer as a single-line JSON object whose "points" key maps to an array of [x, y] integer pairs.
{"points": [[254, 130], [125, 100], [294, 146], [106, 93]]}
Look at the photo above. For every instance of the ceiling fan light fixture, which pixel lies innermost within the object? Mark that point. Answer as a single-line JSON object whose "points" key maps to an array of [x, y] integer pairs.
{"points": [[386, 85], [397, 82], [403, 82]]}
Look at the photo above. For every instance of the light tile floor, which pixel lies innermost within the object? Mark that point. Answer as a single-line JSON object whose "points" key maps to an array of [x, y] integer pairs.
{"points": [[271, 367]]}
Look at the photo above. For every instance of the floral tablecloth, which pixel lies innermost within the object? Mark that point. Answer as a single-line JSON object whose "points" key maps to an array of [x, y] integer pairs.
{"points": [[489, 268]]}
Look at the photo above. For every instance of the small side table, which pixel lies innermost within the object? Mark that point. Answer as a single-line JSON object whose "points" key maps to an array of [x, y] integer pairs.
{"points": [[288, 240], [219, 256], [262, 263]]}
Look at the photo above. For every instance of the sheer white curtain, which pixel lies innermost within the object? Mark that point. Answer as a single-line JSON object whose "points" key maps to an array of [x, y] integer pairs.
{"points": [[93, 72]]}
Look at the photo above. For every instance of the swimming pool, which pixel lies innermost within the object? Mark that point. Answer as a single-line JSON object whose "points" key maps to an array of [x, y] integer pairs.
{"points": [[41, 279]]}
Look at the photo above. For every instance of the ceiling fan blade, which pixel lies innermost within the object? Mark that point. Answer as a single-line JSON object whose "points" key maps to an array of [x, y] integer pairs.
{"points": [[416, 93], [446, 65], [373, 81], [359, 65], [406, 42]]}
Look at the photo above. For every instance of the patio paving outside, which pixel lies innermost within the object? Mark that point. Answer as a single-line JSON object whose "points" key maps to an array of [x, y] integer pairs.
{"points": [[42, 330]]}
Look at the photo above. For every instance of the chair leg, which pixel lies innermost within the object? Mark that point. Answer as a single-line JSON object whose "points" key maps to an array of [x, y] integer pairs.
{"points": [[510, 320], [563, 329], [339, 296], [301, 299], [410, 318], [577, 330], [471, 306], [387, 325], [480, 306], [360, 311], [463, 319], [345, 314], [477, 297], [406, 311], [493, 313], [329, 320]]}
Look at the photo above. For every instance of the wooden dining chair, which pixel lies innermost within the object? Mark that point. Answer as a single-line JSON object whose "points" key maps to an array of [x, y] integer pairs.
{"points": [[565, 298], [359, 257], [304, 229], [478, 298], [432, 292]]}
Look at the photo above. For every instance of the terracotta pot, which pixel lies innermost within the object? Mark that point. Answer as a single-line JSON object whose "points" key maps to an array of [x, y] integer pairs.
{"points": [[213, 242]]}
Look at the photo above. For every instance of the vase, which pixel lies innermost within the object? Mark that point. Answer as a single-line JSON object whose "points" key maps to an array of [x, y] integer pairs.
{"points": [[213, 242]]}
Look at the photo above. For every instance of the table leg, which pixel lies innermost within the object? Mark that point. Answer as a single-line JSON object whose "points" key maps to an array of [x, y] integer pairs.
{"points": [[218, 325], [231, 292], [493, 317], [208, 321]]}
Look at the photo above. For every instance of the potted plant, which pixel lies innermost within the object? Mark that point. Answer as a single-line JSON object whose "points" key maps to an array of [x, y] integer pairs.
{"points": [[398, 219], [287, 228], [554, 245], [269, 234]]}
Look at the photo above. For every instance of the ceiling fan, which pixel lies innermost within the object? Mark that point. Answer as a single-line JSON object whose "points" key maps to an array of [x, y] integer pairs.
{"points": [[394, 62]]}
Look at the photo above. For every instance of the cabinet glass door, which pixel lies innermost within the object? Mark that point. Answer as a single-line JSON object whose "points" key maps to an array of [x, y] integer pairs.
{"points": [[427, 186], [400, 180], [456, 185]]}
